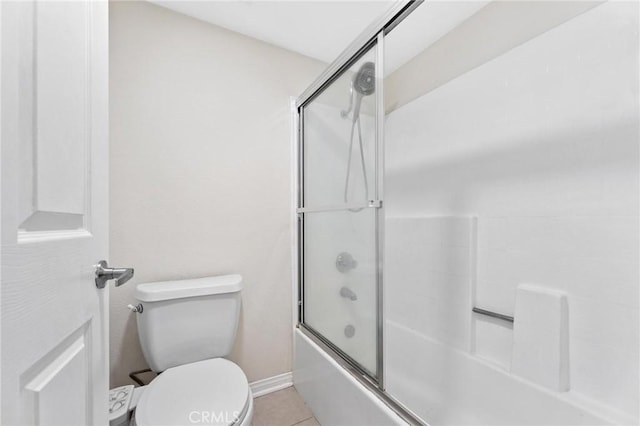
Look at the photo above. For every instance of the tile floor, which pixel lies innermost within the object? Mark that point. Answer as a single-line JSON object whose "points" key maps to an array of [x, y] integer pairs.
{"points": [[282, 408]]}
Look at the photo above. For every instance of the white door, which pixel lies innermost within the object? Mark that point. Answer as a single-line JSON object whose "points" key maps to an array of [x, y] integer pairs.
{"points": [[54, 168]]}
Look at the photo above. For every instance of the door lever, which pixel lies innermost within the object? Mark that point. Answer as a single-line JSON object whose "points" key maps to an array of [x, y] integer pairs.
{"points": [[104, 274]]}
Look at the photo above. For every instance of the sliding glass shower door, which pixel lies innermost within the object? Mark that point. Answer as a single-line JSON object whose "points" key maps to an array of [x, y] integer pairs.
{"points": [[338, 213]]}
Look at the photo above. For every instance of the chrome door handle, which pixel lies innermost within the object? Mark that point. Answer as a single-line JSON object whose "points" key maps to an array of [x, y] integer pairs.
{"points": [[104, 274]]}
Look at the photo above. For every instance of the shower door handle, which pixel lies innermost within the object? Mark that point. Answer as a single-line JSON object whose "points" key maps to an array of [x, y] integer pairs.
{"points": [[104, 273]]}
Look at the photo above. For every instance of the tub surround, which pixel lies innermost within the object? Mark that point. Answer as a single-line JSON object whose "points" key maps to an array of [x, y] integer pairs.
{"points": [[540, 145]]}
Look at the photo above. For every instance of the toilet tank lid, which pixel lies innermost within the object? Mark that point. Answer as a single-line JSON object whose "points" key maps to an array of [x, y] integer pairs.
{"points": [[178, 289]]}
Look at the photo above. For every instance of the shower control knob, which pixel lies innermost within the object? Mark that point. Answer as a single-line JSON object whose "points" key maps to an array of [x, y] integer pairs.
{"points": [[345, 262]]}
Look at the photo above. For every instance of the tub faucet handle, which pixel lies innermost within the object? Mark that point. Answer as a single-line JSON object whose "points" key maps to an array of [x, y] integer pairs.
{"points": [[345, 262], [348, 293]]}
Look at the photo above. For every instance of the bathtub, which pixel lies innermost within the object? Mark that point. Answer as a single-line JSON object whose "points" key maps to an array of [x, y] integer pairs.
{"points": [[452, 388]]}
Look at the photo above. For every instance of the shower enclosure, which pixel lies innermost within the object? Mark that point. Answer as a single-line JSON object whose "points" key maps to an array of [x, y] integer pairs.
{"points": [[339, 194], [467, 218]]}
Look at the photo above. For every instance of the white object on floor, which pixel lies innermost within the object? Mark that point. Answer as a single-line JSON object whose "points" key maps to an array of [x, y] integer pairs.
{"points": [[122, 401], [541, 337], [119, 402]]}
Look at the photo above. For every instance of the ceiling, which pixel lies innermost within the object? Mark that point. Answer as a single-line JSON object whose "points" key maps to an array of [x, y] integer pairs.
{"points": [[315, 28], [322, 29]]}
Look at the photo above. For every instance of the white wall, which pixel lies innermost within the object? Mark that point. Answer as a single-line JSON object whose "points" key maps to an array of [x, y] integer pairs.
{"points": [[460, 36], [200, 172], [523, 170]]}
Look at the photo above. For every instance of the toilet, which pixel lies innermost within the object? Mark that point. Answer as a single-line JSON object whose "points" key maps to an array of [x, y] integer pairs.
{"points": [[185, 328]]}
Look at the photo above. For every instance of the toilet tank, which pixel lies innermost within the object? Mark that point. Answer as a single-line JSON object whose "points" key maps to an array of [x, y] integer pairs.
{"points": [[188, 320]]}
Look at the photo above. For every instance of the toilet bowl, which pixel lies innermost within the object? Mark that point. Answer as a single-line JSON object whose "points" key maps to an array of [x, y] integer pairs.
{"points": [[185, 329], [210, 392]]}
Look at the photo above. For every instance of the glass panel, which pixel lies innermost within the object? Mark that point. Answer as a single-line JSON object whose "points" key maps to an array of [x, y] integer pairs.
{"points": [[340, 281], [339, 139], [511, 184]]}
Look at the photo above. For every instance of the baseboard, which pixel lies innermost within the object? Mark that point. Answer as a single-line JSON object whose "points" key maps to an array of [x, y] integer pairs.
{"points": [[271, 384]]}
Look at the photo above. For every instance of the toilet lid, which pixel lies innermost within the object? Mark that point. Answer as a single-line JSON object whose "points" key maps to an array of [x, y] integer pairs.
{"points": [[211, 392]]}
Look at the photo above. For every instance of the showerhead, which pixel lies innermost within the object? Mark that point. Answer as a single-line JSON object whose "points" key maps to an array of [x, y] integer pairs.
{"points": [[363, 84]]}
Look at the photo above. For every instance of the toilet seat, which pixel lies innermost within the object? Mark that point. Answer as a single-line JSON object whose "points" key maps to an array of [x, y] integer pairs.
{"points": [[209, 392]]}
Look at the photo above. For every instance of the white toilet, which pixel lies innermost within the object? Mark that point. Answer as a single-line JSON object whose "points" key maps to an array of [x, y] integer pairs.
{"points": [[185, 328]]}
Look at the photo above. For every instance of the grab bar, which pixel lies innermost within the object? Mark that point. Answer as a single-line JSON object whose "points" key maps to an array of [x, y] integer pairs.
{"points": [[493, 314]]}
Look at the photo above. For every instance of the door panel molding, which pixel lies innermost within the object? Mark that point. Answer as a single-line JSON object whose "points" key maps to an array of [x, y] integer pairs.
{"points": [[55, 52], [66, 369]]}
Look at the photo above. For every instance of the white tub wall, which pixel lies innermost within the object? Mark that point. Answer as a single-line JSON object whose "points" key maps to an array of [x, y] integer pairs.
{"points": [[429, 268], [200, 172], [541, 146]]}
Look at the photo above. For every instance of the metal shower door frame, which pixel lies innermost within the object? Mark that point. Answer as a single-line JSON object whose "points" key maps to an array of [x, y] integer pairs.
{"points": [[337, 353], [373, 35]]}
